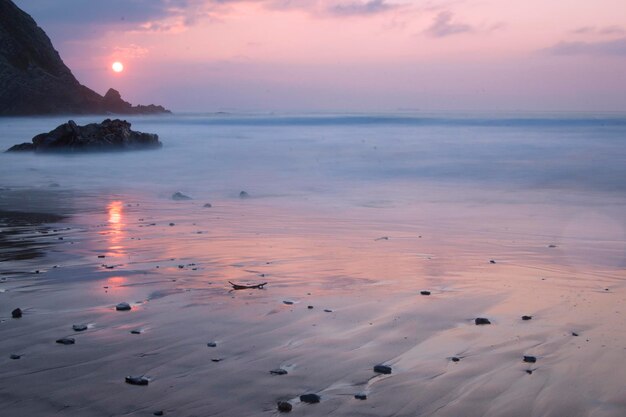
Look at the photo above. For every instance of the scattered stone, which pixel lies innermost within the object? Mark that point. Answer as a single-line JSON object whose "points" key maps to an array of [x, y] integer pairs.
{"points": [[481, 320], [288, 302], [66, 341], [574, 334], [79, 327], [135, 331], [382, 238], [17, 313], [360, 396], [310, 307], [123, 307], [529, 371], [425, 292], [159, 413], [207, 205], [552, 246], [172, 224], [310, 398], [15, 357], [327, 310], [137, 380], [216, 360], [284, 406], [530, 359], [492, 261], [178, 196], [211, 344], [455, 359], [244, 194], [526, 318], [382, 369], [279, 371], [101, 256]]}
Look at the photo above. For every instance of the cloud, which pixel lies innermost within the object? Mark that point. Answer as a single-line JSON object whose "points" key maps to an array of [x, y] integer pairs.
{"points": [[358, 8], [615, 47], [443, 26], [606, 30]]}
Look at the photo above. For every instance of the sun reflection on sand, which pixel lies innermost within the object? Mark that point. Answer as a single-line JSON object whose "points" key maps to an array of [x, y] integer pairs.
{"points": [[116, 228]]}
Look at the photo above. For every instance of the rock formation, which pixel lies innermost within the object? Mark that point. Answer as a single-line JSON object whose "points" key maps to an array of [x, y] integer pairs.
{"points": [[35, 81], [110, 135]]}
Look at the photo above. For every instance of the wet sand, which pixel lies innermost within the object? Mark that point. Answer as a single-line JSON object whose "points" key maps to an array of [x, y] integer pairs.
{"points": [[366, 263]]}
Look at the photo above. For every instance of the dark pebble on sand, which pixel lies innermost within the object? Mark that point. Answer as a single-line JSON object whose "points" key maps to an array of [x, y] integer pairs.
{"points": [[135, 332], [492, 261], [530, 359], [455, 359], [207, 205], [79, 327], [216, 360], [137, 380], [310, 307], [17, 313], [172, 224], [15, 357], [212, 344], [527, 318], [288, 302], [310, 398], [481, 320], [178, 196], [66, 341], [425, 292], [284, 406], [529, 372], [574, 334], [158, 413], [382, 369], [244, 194], [101, 256], [278, 371], [123, 307], [360, 396], [327, 310]]}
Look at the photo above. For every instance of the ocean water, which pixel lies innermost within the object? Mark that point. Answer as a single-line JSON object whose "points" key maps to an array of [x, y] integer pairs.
{"points": [[375, 157]]}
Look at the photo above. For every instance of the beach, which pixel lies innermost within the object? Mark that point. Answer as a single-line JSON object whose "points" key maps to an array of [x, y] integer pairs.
{"points": [[398, 232]]}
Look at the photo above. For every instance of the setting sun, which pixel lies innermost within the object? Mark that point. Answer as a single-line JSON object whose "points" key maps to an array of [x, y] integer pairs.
{"points": [[117, 66]]}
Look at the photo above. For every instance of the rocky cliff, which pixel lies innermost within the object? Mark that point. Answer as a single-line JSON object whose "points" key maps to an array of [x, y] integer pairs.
{"points": [[35, 81]]}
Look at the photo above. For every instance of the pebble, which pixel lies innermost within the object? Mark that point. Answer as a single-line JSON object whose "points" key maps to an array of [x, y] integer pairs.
{"points": [[244, 194], [212, 344], [492, 261], [425, 292], [481, 320], [288, 302], [530, 359], [207, 205], [79, 327], [327, 310], [310, 307], [66, 341], [310, 398], [123, 307], [382, 369], [574, 334], [360, 396], [278, 371], [529, 372], [101, 256], [172, 224], [180, 196], [17, 313], [137, 380], [455, 359], [527, 318], [15, 357], [159, 413], [135, 331], [284, 406], [216, 360]]}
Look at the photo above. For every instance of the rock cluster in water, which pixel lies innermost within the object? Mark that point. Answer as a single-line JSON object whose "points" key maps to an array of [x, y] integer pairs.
{"points": [[110, 135]]}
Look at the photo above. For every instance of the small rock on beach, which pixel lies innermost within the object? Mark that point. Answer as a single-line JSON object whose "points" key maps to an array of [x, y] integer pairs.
{"points": [[481, 321], [425, 292], [212, 344], [137, 380], [382, 369], [66, 341], [79, 327], [310, 398], [360, 396], [284, 406], [178, 196], [526, 318], [530, 359], [123, 307], [278, 371], [14, 357], [17, 313]]}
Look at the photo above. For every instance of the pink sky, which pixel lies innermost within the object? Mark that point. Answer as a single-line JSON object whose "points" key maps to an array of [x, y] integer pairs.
{"points": [[298, 55]]}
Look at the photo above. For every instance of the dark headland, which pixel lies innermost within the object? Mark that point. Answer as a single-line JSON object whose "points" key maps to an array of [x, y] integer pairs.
{"points": [[35, 81]]}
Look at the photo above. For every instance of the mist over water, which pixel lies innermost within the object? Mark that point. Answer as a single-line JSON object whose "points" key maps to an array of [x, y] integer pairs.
{"points": [[379, 156]]}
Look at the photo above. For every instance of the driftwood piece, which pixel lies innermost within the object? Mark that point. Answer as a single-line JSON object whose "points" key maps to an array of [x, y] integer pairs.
{"points": [[247, 287]]}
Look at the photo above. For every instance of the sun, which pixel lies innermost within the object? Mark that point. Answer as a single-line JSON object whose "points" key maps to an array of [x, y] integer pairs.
{"points": [[117, 66]]}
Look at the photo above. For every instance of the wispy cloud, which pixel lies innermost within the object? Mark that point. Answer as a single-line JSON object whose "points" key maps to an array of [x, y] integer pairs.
{"points": [[605, 30], [615, 47], [359, 8], [443, 26]]}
